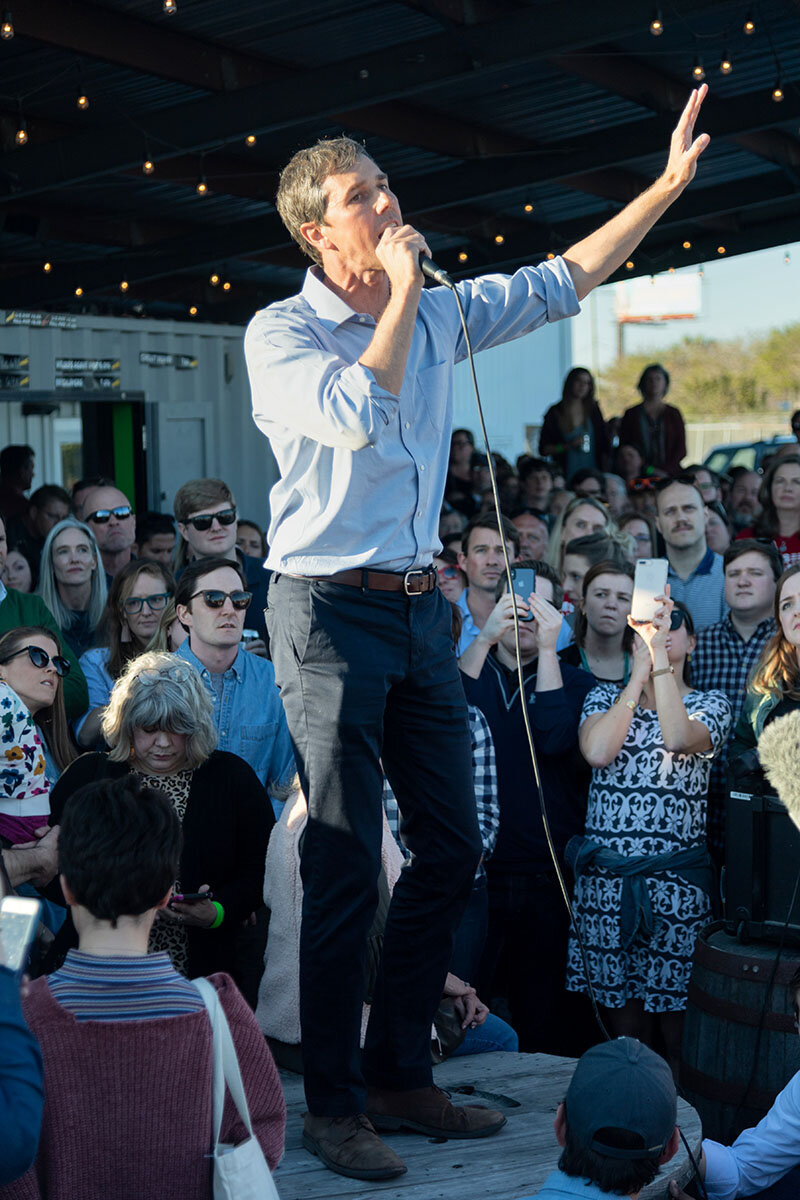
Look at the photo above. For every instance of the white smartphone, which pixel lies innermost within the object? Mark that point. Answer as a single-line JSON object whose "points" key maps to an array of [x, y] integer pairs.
{"points": [[19, 916], [649, 581]]}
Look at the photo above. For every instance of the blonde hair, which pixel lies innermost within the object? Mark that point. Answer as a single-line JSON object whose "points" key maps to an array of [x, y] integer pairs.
{"points": [[157, 691], [555, 549], [778, 670], [300, 197]]}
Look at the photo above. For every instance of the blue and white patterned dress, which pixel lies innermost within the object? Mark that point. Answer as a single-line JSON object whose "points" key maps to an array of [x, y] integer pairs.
{"points": [[647, 801]]}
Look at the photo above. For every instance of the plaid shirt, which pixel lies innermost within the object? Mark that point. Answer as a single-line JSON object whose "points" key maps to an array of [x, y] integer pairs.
{"points": [[724, 660], [485, 775]]}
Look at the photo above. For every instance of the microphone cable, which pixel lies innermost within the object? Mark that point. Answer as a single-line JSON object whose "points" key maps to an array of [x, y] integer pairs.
{"points": [[441, 277]]}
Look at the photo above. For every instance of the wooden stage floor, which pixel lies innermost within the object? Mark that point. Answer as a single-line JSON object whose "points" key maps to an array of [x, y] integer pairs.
{"points": [[512, 1164]]}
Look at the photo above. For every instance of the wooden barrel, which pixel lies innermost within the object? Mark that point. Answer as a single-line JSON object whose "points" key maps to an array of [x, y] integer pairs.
{"points": [[730, 1072]]}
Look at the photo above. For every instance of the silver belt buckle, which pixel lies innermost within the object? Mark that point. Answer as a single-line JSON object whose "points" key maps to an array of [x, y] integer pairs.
{"points": [[418, 573]]}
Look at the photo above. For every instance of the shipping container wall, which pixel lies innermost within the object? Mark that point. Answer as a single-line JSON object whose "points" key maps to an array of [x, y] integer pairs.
{"points": [[193, 375]]}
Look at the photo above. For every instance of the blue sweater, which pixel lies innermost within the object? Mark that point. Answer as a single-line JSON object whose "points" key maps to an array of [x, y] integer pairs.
{"points": [[555, 716], [21, 1090]]}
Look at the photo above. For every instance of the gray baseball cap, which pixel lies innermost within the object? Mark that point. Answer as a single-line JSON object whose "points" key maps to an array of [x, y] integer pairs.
{"points": [[622, 1084]]}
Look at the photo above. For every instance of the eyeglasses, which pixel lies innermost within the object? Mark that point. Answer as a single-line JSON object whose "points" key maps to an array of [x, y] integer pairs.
{"points": [[155, 603], [447, 572], [676, 619], [644, 483], [156, 675], [665, 481], [206, 520], [103, 515], [40, 658], [213, 598]]}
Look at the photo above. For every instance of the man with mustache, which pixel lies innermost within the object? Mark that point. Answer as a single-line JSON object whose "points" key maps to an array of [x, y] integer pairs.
{"points": [[696, 575]]}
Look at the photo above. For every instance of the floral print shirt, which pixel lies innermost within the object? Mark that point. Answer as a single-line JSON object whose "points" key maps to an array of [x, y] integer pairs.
{"points": [[24, 788]]}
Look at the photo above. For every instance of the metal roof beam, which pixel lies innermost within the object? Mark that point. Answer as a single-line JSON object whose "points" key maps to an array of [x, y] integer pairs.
{"points": [[315, 96]]}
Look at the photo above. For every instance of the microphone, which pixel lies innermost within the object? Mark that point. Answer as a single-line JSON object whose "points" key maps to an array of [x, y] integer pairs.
{"points": [[431, 271], [779, 752]]}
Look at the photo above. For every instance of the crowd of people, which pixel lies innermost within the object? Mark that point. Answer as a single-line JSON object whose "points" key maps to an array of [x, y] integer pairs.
{"points": [[339, 838], [136, 678]]}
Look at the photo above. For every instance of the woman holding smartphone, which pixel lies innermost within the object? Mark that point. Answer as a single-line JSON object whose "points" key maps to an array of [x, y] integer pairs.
{"points": [[642, 869], [602, 640]]}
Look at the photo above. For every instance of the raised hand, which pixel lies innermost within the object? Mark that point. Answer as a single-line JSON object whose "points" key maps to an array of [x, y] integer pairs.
{"points": [[683, 151]]}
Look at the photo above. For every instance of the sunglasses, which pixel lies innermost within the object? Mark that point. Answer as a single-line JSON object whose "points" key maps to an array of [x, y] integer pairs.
{"points": [[40, 658], [676, 619], [206, 520], [213, 598], [643, 483], [448, 572], [155, 603], [103, 515]]}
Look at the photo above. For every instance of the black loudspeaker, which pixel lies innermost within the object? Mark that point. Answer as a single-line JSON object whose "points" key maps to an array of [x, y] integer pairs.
{"points": [[762, 866]]}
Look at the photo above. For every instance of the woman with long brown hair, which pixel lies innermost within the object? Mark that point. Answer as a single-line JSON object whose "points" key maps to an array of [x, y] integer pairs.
{"points": [[574, 433], [774, 687], [779, 519], [138, 596]]}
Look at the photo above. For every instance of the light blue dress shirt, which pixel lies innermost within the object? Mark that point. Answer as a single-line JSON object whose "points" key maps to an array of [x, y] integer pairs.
{"points": [[363, 471], [249, 718], [760, 1156], [469, 630], [94, 664]]}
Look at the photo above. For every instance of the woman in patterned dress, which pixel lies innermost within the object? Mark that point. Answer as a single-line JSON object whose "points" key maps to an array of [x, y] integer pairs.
{"points": [[642, 870], [159, 724]]}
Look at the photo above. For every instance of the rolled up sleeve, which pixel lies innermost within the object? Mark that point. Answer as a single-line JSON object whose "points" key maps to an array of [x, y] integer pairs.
{"points": [[302, 387], [760, 1156]]}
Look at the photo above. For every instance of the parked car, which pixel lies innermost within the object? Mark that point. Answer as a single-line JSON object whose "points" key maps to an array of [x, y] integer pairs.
{"points": [[744, 454]]}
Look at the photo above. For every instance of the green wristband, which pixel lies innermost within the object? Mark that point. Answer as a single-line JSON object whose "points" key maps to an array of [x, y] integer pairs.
{"points": [[220, 917]]}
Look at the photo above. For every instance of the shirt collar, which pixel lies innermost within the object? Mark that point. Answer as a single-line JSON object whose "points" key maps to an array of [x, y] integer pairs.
{"points": [[325, 303], [185, 651], [704, 567]]}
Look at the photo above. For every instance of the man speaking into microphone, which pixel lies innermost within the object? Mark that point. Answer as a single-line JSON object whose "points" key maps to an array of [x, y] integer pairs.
{"points": [[352, 382]]}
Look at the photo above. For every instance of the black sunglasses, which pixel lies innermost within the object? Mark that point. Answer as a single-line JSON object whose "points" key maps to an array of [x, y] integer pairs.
{"points": [[206, 520], [40, 658], [676, 619], [103, 515], [155, 603], [215, 599]]}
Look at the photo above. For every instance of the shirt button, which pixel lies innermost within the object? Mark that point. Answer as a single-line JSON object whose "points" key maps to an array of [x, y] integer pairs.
{"points": [[408, 424], [422, 466], [419, 514]]}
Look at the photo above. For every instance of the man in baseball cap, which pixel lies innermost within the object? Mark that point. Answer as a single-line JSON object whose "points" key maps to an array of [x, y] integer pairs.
{"points": [[617, 1124]]}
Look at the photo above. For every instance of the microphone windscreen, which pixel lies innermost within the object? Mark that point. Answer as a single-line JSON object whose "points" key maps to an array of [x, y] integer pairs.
{"points": [[779, 752]]}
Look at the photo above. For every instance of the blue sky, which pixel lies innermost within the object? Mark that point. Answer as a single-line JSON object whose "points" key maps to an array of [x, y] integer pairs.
{"points": [[742, 296]]}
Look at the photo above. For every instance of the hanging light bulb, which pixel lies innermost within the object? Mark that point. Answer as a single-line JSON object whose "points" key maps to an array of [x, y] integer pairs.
{"points": [[214, 280], [201, 187], [82, 101], [250, 140], [720, 249], [78, 291], [657, 24], [193, 311], [670, 270], [499, 239], [527, 207], [777, 92], [47, 268], [462, 256], [21, 136], [550, 256], [148, 167], [726, 63], [629, 265], [7, 27], [226, 287], [687, 245], [698, 70], [170, 7], [749, 23], [123, 287]]}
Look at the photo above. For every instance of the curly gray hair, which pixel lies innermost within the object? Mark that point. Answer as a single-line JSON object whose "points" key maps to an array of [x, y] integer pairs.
{"points": [[156, 691]]}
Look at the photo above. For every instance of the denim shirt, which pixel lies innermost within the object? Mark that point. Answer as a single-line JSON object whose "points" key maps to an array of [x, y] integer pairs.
{"points": [[249, 718], [362, 470]]}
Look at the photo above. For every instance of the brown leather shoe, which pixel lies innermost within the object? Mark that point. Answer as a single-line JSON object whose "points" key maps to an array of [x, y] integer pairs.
{"points": [[350, 1146], [428, 1111]]}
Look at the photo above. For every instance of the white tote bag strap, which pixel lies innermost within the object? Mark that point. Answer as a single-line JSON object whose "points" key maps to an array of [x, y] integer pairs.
{"points": [[225, 1063]]}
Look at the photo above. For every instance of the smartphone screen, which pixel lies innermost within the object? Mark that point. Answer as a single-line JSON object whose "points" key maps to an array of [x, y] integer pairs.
{"points": [[649, 581], [524, 580], [19, 916]]}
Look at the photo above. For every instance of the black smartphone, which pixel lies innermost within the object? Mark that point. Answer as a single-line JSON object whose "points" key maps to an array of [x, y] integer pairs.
{"points": [[191, 897], [524, 581]]}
